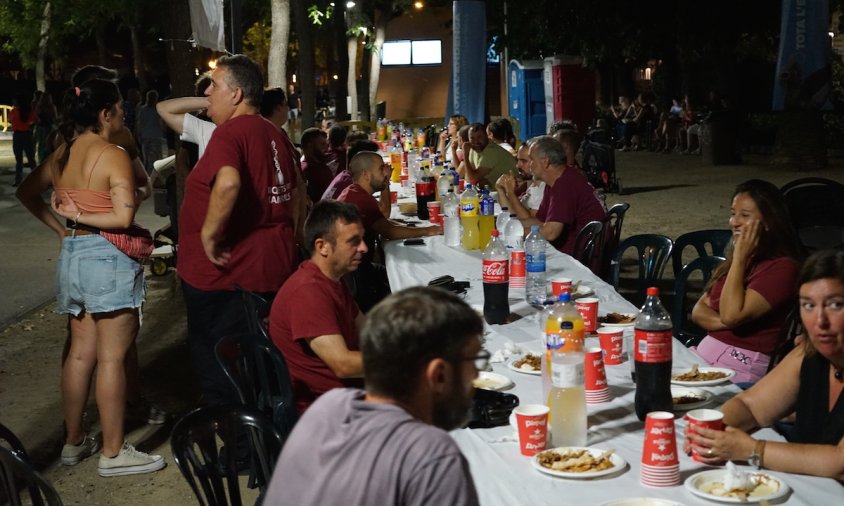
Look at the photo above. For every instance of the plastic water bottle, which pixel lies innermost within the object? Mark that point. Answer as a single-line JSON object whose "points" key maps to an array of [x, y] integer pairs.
{"points": [[451, 219], [443, 184], [535, 259], [501, 220], [514, 233]]}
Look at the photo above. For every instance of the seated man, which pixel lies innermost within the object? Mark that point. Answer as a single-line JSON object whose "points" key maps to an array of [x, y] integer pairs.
{"points": [[569, 203], [527, 189], [371, 174], [315, 167], [485, 161], [343, 179], [335, 154], [314, 320], [387, 445]]}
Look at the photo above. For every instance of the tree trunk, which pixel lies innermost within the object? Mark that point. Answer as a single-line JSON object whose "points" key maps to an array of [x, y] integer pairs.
{"points": [[381, 20], [44, 38], [340, 87], [306, 62], [351, 77], [277, 65], [138, 56]]}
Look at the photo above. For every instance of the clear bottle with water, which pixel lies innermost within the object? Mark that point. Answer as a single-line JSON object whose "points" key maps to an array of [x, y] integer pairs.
{"points": [[535, 262], [451, 219], [501, 221], [514, 233]]}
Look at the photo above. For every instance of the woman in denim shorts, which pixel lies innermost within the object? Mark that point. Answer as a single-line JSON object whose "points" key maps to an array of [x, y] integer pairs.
{"points": [[97, 285]]}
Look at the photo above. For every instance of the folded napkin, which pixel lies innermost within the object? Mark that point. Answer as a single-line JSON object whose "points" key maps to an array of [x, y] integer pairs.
{"points": [[510, 349]]}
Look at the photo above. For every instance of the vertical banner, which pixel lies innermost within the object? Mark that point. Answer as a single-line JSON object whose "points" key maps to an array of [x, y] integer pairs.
{"points": [[803, 79], [469, 62], [207, 24]]}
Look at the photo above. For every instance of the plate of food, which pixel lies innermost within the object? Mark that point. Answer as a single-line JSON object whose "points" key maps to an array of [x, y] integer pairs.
{"points": [[732, 485], [617, 319], [689, 398], [529, 363], [578, 462], [642, 501], [491, 381], [700, 376]]}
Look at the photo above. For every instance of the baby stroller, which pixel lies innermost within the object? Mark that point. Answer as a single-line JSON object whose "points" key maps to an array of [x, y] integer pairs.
{"points": [[599, 160], [163, 179]]}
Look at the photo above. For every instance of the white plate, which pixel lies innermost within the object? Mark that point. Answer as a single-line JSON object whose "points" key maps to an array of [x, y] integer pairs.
{"points": [[512, 367], [704, 396], [619, 325], [582, 291], [675, 372], [642, 501], [695, 481], [492, 381], [618, 464]]}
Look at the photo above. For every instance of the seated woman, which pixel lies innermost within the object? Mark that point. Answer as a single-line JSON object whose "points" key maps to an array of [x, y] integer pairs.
{"points": [[809, 381], [746, 302], [447, 143], [500, 131]]}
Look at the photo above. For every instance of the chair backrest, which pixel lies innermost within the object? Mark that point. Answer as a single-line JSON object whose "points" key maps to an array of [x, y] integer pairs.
{"points": [[653, 252], [259, 374], [36, 490], [679, 313], [588, 245], [14, 444], [716, 239], [814, 201], [257, 311], [792, 328], [612, 236], [198, 441]]}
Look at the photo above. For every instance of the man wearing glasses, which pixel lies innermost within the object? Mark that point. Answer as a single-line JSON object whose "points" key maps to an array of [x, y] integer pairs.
{"points": [[388, 444]]}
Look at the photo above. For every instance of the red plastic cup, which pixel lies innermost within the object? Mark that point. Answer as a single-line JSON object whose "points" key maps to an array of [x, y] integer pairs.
{"points": [[434, 210], [560, 285], [708, 418], [588, 308], [532, 423], [596, 388], [518, 269], [405, 181], [394, 197], [660, 465], [612, 343]]}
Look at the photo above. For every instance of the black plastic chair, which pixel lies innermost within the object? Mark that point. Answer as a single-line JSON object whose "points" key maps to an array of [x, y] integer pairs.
{"points": [[259, 374], [653, 252], [257, 310], [814, 201], [716, 239], [612, 236], [205, 444], [588, 245], [14, 444], [684, 330], [15, 471]]}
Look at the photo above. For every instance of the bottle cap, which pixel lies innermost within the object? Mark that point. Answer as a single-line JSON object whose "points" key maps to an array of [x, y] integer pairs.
{"points": [[534, 228], [512, 215], [653, 290], [493, 233], [504, 208], [565, 297], [567, 325]]}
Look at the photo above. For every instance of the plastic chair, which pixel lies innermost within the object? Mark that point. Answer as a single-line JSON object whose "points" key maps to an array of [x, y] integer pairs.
{"points": [[814, 201], [653, 251], [679, 313], [15, 445], [588, 245], [15, 470], [259, 374], [716, 239], [198, 442], [257, 310], [615, 220]]}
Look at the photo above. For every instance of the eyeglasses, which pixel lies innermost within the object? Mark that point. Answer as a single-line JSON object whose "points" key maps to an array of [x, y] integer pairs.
{"points": [[481, 360]]}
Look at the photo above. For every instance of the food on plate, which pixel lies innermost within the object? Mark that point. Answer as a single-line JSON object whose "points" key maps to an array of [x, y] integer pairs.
{"points": [[575, 461], [687, 398], [695, 374], [529, 362], [741, 485], [485, 383], [617, 318]]}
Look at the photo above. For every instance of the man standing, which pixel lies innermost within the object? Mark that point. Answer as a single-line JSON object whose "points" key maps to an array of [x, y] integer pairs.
{"points": [[485, 161], [237, 224], [314, 320], [569, 203], [314, 162], [388, 444], [150, 131]]}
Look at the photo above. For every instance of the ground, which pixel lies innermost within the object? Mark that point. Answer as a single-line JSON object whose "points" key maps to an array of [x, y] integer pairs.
{"points": [[668, 194]]}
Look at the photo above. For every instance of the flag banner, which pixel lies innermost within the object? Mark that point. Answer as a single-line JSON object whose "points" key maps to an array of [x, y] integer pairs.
{"points": [[207, 25], [804, 79], [469, 62]]}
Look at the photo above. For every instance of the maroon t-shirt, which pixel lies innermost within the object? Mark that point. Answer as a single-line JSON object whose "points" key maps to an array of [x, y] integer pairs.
{"points": [[318, 175], [776, 281], [311, 305], [369, 214], [340, 182], [260, 230], [573, 202], [336, 159]]}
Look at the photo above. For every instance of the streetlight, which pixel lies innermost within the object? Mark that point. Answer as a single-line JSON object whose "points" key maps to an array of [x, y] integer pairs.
{"points": [[418, 5]]}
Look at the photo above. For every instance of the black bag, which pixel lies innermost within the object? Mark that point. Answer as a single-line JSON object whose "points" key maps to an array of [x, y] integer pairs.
{"points": [[448, 283], [491, 409]]}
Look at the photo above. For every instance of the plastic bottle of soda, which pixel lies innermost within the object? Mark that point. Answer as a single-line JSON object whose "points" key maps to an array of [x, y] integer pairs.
{"points": [[535, 263], [514, 233], [495, 277], [652, 350], [451, 219], [486, 217], [469, 209], [425, 192]]}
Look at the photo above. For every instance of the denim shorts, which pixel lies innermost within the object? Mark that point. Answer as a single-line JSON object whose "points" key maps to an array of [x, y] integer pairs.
{"points": [[93, 276]]}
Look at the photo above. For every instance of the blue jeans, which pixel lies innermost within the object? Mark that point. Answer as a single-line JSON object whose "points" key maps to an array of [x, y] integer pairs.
{"points": [[22, 144]]}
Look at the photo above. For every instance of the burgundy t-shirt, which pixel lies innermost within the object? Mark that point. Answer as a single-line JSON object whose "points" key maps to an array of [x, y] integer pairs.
{"points": [[336, 159], [318, 175], [573, 202], [776, 281], [311, 305], [260, 230], [340, 182], [369, 213]]}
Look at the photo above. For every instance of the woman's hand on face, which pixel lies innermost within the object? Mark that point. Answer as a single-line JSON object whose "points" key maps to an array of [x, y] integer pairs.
{"points": [[716, 446], [747, 240]]}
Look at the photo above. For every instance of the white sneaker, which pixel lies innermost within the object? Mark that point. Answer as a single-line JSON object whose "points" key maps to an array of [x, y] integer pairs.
{"points": [[129, 461], [73, 454]]}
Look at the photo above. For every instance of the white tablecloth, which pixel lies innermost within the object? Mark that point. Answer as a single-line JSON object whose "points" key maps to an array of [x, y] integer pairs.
{"points": [[502, 476]]}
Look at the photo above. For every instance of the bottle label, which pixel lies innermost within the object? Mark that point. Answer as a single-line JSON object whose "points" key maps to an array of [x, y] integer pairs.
{"points": [[469, 208], [564, 340], [567, 375], [495, 271], [487, 207], [536, 263], [653, 347]]}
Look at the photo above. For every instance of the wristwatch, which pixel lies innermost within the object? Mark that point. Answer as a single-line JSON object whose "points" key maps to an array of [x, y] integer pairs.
{"points": [[755, 458]]}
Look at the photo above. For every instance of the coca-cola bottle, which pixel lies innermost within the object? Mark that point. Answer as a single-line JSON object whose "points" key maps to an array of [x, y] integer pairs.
{"points": [[652, 353], [496, 263]]}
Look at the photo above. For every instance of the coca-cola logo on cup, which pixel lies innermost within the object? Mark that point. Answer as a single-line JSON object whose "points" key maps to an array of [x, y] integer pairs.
{"points": [[495, 271]]}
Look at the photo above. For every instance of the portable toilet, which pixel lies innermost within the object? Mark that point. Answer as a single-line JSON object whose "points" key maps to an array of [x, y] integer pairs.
{"points": [[527, 99], [569, 90]]}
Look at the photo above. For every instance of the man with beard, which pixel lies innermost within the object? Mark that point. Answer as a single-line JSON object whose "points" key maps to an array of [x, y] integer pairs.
{"points": [[388, 444], [315, 163], [314, 320], [370, 174]]}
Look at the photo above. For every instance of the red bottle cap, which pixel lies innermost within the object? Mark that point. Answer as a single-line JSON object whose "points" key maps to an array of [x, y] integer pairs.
{"points": [[653, 290], [493, 233]]}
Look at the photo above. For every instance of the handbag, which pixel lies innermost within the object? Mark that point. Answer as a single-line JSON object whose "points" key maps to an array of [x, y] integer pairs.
{"points": [[491, 409], [135, 241]]}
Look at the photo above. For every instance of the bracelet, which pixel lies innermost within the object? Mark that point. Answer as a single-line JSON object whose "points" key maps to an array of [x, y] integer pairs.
{"points": [[76, 220], [758, 454]]}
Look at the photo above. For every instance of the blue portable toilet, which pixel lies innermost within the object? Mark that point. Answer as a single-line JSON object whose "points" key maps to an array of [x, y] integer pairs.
{"points": [[527, 97]]}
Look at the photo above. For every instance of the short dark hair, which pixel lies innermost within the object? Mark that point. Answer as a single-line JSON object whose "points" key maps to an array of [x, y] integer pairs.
{"points": [[337, 135], [407, 330], [82, 110], [320, 222], [361, 145], [362, 162], [245, 74], [310, 135], [84, 74], [502, 130], [474, 127], [273, 97], [201, 84]]}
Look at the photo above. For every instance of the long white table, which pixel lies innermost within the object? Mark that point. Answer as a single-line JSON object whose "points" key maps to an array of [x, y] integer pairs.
{"points": [[504, 477]]}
